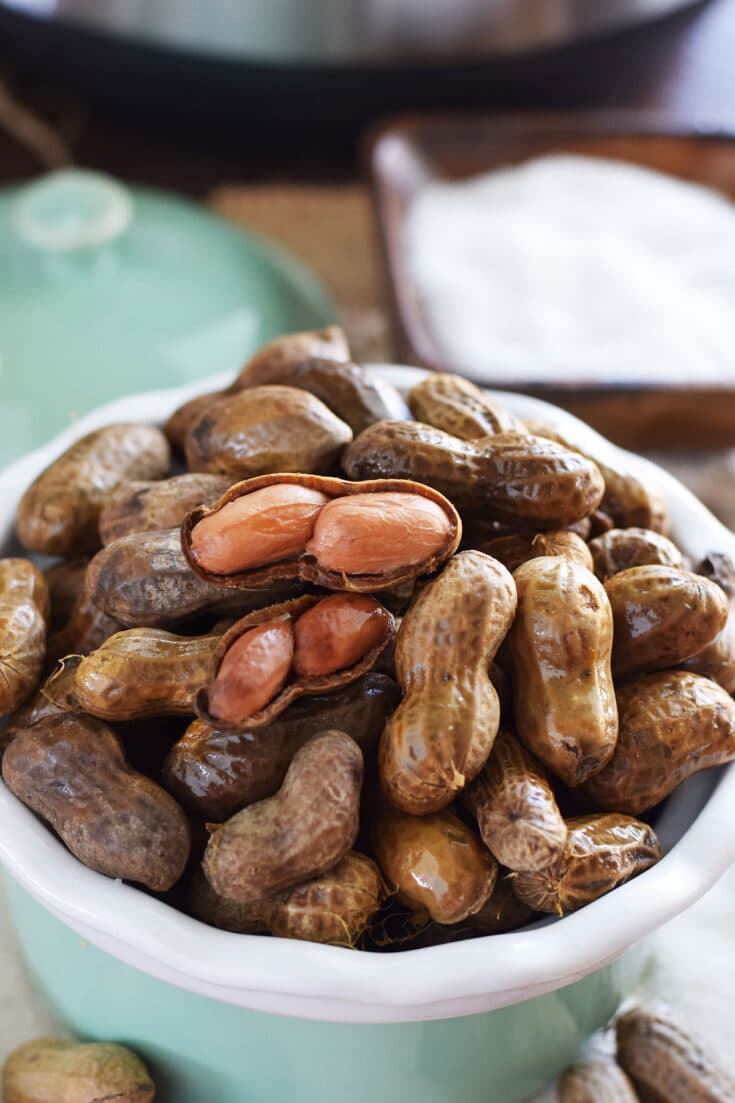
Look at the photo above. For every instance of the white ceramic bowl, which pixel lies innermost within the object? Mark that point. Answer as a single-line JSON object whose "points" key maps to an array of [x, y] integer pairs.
{"points": [[323, 982]]}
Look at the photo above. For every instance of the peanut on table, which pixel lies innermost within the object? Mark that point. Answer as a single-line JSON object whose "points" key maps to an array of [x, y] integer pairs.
{"points": [[406, 664]]}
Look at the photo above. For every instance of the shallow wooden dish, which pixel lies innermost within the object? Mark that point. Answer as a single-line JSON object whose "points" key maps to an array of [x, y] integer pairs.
{"points": [[408, 152]]}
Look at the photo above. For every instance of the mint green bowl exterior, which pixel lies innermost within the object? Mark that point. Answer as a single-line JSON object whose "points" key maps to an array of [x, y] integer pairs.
{"points": [[202, 1051]]}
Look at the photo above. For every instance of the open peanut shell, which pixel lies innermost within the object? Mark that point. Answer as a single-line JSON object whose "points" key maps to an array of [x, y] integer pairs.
{"points": [[307, 567], [295, 686]]}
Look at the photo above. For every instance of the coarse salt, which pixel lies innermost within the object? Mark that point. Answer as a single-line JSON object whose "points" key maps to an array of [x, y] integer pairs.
{"points": [[576, 269]]}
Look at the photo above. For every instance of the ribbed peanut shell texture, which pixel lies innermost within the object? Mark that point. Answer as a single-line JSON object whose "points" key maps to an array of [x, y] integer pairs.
{"points": [[595, 1082], [560, 645], [306, 566], [526, 481], [335, 907], [299, 833], [668, 1064], [453, 404], [515, 808], [602, 852], [619, 549], [672, 725], [146, 506], [662, 616], [49, 1070], [442, 733], [71, 770], [59, 512]]}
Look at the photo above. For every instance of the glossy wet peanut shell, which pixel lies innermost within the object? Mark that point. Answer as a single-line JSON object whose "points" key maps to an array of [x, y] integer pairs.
{"points": [[49, 1070], [144, 580], [502, 912], [435, 863], [515, 808], [560, 648], [672, 724], [516, 548], [662, 616], [440, 736], [264, 430], [149, 506], [22, 651], [344, 387], [59, 512], [602, 852], [453, 404], [515, 478], [216, 773], [21, 579], [306, 566], [299, 833], [619, 549], [629, 501], [296, 686], [595, 1082], [334, 908], [71, 771], [666, 1062], [145, 672]]}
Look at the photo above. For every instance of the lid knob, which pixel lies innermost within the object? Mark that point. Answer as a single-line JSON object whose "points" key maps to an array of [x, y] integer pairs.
{"points": [[72, 209]]}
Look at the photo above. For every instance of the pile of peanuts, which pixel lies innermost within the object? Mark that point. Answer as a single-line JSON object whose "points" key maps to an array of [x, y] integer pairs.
{"points": [[368, 673]]}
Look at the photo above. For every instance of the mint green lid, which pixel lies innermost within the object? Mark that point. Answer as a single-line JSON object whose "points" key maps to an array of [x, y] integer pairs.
{"points": [[105, 291]]}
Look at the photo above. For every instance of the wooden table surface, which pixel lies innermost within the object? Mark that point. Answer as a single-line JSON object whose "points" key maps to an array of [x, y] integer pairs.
{"points": [[684, 65]]}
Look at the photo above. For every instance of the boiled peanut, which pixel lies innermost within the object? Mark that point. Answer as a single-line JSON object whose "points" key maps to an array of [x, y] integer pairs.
{"points": [[370, 534], [358, 539], [453, 404], [275, 357], [717, 659], [560, 646], [144, 672], [48, 1070], [151, 506], [516, 548], [299, 833], [523, 480], [290, 350], [252, 672], [516, 811], [71, 771], [628, 500], [59, 513], [619, 549], [666, 1063], [602, 852], [143, 580], [344, 387], [335, 634], [503, 912], [217, 773], [255, 672], [662, 616], [335, 907], [266, 429], [443, 731], [595, 1082], [435, 863], [672, 725], [266, 526], [23, 609]]}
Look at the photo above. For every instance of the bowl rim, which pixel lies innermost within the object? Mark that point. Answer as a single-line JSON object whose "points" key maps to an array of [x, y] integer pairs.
{"points": [[327, 982]]}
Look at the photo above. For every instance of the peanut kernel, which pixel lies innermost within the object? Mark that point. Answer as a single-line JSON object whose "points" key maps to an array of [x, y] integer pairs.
{"points": [[252, 672], [337, 633], [266, 526]]}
